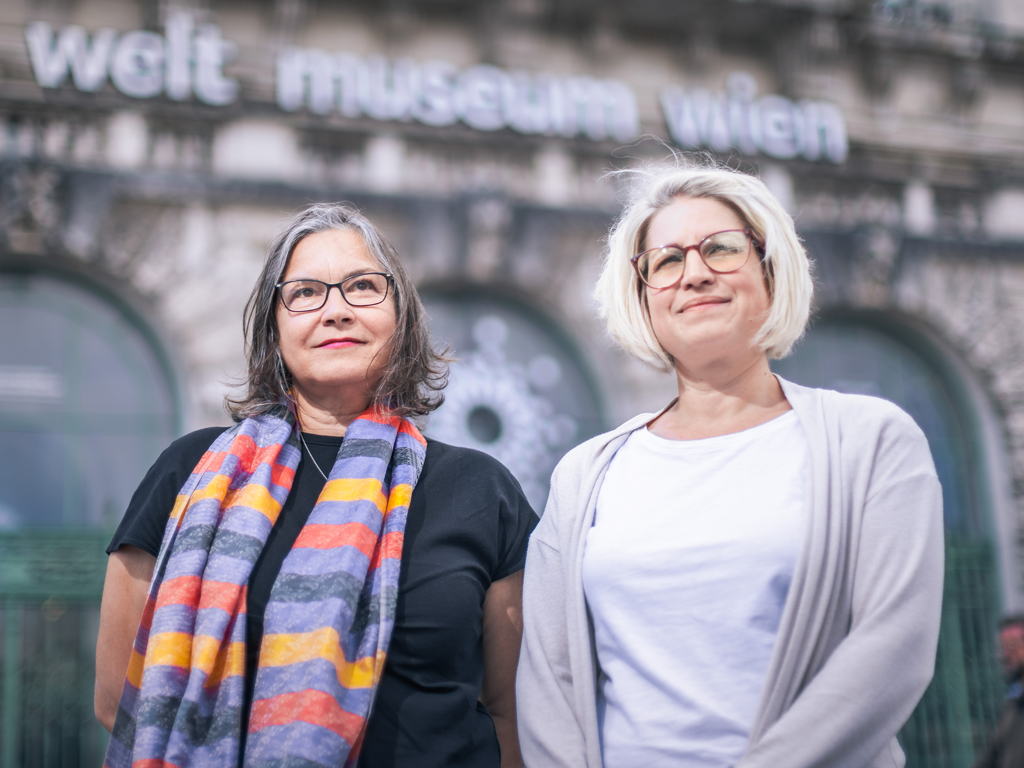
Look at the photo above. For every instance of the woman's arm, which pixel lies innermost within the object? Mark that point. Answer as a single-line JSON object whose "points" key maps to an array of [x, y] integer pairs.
{"points": [[853, 706], [502, 634], [550, 725], [125, 589]]}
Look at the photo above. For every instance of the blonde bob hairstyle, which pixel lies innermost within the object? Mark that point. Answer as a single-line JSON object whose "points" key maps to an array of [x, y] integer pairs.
{"points": [[621, 296]]}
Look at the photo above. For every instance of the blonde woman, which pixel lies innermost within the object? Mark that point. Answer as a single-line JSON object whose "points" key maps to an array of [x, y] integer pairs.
{"points": [[753, 575]]}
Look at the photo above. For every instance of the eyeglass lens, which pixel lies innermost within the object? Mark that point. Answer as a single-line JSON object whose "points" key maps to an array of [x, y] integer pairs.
{"points": [[359, 291], [722, 252]]}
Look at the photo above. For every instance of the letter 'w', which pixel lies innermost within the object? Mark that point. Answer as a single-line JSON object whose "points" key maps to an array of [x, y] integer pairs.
{"points": [[88, 64], [696, 119]]}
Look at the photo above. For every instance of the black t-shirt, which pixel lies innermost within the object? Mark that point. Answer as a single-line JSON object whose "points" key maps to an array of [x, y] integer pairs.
{"points": [[468, 526]]}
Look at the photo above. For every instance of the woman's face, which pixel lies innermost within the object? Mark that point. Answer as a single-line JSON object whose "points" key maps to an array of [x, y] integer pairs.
{"points": [[707, 316], [338, 351]]}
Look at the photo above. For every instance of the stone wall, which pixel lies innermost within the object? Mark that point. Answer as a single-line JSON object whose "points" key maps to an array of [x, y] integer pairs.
{"points": [[175, 202]]}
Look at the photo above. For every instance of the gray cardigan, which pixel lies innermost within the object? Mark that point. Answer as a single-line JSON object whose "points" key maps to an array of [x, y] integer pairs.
{"points": [[857, 639]]}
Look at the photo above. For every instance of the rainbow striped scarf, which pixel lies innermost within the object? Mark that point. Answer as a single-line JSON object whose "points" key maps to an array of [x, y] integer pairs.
{"points": [[327, 624]]}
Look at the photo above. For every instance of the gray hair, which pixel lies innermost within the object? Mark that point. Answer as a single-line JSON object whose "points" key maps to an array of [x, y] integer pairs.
{"points": [[415, 372]]}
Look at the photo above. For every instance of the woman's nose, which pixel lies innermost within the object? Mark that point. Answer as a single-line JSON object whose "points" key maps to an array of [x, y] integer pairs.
{"points": [[695, 271], [335, 307]]}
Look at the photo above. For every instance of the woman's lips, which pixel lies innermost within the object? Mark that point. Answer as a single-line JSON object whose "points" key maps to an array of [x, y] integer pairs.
{"points": [[699, 305], [338, 344]]}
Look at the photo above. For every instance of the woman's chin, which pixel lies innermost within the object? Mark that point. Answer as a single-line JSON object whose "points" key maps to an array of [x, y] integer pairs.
{"points": [[332, 385], [713, 343], [723, 341]]}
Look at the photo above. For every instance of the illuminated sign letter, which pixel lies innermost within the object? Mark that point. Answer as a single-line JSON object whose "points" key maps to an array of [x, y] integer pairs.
{"points": [[387, 91], [480, 96], [212, 53], [140, 64], [598, 109], [178, 71], [696, 119], [824, 132], [317, 79], [88, 63], [436, 93], [305, 77], [781, 127], [436, 103], [527, 102], [137, 67], [770, 124]]}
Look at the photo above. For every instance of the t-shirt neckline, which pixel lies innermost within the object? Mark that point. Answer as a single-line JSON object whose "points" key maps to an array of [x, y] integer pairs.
{"points": [[314, 439], [718, 441]]}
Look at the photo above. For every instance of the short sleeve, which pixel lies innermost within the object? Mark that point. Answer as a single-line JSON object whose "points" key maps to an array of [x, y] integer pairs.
{"points": [[517, 523], [145, 519]]}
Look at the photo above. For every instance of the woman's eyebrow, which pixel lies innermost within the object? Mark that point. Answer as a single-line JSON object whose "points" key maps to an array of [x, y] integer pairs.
{"points": [[346, 276], [361, 271]]}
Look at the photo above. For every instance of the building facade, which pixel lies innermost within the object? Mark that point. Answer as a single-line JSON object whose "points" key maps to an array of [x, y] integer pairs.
{"points": [[151, 149]]}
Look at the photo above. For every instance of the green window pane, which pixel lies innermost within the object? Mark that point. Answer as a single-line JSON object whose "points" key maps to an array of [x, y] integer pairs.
{"points": [[85, 405]]}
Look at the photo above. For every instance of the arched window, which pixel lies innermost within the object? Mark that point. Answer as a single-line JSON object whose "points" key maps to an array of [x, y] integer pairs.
{"points": [[86, 405], [878, 355], [519, 390]]}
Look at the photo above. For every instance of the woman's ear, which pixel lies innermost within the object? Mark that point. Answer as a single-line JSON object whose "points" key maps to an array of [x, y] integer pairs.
{"points": [[768, 272]]}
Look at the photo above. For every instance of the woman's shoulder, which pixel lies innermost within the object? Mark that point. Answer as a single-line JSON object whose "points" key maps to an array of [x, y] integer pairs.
{"points": [[444, 460], [581, 458], [576, 472], [146, 516], [866, 411], [458, 455], [188, 449], [862, 426]]}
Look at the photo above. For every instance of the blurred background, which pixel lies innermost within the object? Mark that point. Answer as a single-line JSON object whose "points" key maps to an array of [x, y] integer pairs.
{"points": [[150, 149]]}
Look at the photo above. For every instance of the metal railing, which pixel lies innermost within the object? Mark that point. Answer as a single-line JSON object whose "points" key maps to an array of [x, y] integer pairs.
{"points": [[50, 586], [956, 717]]}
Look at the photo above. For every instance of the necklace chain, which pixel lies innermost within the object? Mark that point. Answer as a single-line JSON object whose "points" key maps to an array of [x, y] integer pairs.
{"points": [[311, 457]]}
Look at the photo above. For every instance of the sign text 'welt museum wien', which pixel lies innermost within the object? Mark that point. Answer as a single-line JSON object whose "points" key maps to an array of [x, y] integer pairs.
{"points": [[188, 61]]}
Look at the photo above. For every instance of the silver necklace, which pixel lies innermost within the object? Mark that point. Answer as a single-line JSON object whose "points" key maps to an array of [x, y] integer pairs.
{"points": [[311, 457]]}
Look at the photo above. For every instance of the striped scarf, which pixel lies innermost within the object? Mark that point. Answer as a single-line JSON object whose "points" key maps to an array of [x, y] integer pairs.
{"points": [[327, 623]]}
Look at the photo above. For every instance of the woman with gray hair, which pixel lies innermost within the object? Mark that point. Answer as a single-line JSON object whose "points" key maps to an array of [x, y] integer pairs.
{"points": [[752, 576], [319, 585]]}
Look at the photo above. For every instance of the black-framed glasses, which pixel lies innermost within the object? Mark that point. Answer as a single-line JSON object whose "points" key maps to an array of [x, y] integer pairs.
{"points": [[722, 252], [363, 290]]}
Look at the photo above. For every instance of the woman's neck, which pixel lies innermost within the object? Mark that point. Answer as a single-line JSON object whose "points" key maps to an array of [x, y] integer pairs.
{"points": [[722, 400], [327, 417]]}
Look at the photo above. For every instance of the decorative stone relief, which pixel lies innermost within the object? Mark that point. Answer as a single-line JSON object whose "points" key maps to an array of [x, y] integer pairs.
{"points": [[976, 304], [29, 209], [515, 393], [875, 256]]}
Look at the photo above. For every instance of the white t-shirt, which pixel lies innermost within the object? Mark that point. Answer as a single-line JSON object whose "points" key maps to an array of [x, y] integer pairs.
{"points": [[686, 571]]}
